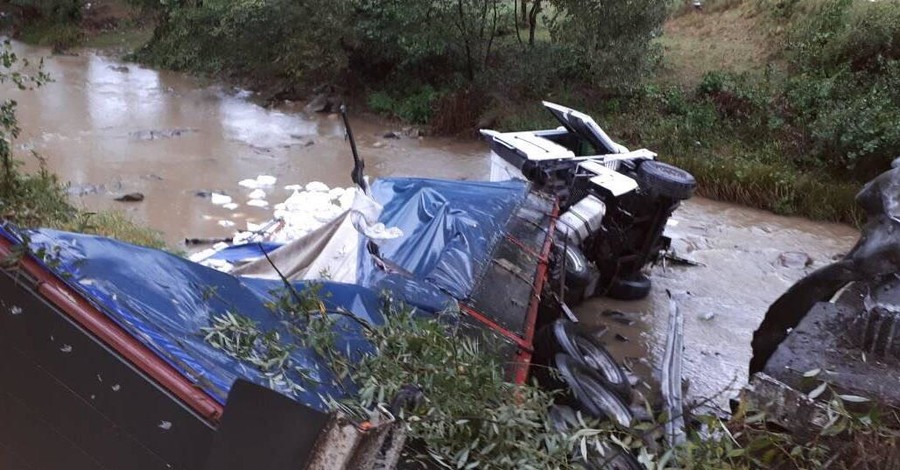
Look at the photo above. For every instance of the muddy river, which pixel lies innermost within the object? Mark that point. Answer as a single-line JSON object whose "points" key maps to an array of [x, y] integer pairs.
{"points": [[112, 128]]}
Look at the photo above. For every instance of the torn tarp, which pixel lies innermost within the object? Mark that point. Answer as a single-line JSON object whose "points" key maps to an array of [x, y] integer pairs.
{"points": [[449, 231]]}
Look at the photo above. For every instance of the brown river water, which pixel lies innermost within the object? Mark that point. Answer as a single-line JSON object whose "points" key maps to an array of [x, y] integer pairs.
{"points": [[111, 128]]}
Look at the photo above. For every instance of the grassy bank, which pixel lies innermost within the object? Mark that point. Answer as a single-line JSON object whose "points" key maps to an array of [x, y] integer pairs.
{"points": [[116, 25], [784, 105]]}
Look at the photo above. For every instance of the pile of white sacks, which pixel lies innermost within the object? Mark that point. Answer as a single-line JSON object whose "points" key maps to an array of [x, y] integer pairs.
{"points": [[306, 209]]}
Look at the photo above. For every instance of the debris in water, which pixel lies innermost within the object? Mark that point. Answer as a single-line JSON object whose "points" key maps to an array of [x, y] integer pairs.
{"points": [[159, 134], [258, 203], [707, 316], [613, 314], [259, 182], [226, 223], [165, 425], [219, 199], [84, 189], [230, 206], [670, 256], [621, 338], [317, 186], [131, 197], [266, 180], [794, 259], [257, 194]]}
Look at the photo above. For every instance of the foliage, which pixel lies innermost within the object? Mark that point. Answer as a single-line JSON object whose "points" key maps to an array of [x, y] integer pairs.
{"points": [[279, 40], [845, 93], [470, 416], [113, 224], [58, 11], [608, 44], [57, 35], [436, 41], [416, 108]]}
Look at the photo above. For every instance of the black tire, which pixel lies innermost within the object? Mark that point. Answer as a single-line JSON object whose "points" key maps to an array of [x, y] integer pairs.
{"points": [[563, 336], [562, 418], [589, 394], [625, 289], [667, 180], [580, 274]]}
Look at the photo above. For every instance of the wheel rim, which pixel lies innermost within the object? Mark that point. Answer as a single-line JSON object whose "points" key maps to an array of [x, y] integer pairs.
{"points": [[607, 403], [600, 360]]}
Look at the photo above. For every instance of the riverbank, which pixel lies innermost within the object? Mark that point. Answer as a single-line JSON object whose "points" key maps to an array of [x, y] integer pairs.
{"points": [[119, 128], [721, 103]]}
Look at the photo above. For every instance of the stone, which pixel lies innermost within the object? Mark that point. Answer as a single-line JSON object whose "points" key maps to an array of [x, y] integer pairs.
{"points": [[794, 259], [131, 197]]}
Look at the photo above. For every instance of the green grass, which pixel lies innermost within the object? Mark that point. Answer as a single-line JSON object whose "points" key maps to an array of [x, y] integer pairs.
{"points": [[125, 38], [115, 224], [59, 36], [727, 35]]}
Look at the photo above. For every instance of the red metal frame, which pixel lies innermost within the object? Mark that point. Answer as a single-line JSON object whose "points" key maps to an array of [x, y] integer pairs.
{"points": [[111, 334], [526, 341]]}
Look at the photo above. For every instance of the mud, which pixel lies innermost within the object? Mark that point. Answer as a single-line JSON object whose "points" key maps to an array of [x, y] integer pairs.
{"points": [[743, 254], [113, 129]]}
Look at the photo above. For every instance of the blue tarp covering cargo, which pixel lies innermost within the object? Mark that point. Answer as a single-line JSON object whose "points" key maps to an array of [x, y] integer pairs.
{"points": [[165, 301]]}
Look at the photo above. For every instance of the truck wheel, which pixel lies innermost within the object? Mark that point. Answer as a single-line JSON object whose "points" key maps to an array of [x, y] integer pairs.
{"points": [[624, 289], [579, 273], [667, 180], [589, 392], [563, 336]]}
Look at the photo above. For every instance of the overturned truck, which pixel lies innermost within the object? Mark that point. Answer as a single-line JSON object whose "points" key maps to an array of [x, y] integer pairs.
{"points": [[105, 363]]}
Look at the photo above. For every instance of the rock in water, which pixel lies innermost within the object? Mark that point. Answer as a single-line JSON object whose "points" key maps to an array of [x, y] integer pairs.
{"points": [[794, 259], [131, 197]]}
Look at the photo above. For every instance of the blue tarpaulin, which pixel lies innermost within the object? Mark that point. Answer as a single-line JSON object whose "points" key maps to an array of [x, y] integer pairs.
{"points": [[166, 301], [450, 228]]}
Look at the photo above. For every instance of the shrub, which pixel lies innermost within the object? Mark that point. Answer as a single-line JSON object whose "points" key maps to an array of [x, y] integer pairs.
{"points": [[282, 40], [61, 11], [415, 107], [608, 44]]}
